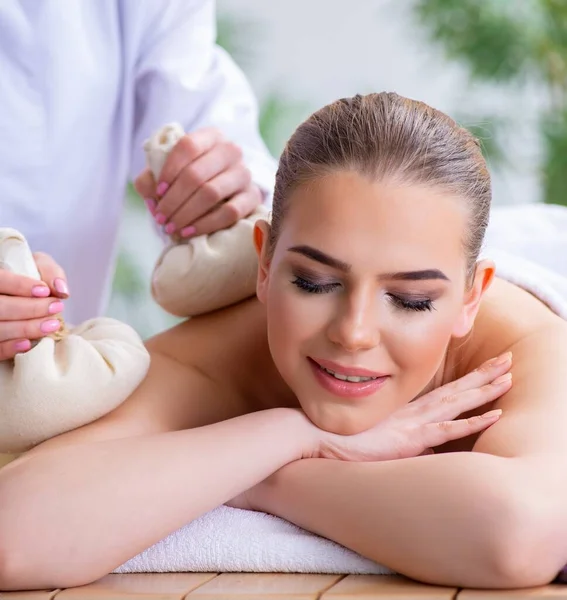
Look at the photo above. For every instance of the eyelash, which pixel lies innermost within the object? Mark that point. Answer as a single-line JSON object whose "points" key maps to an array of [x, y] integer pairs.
{"points": [[316, 288], [313, 288]]}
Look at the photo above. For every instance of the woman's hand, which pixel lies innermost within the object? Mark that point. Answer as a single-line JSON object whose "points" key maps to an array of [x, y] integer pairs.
{"points": [[204, 186], [28, 306], [416, 428], [428, 421]]}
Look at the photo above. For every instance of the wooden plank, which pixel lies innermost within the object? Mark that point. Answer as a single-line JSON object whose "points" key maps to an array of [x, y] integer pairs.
{"points": [[298, 586], [358, 587], [556, 591], [33, 595], [154, 586]]}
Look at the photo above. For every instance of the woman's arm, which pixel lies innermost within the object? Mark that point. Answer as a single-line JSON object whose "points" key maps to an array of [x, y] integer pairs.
{"points": [[72, 511], [496, 517]]}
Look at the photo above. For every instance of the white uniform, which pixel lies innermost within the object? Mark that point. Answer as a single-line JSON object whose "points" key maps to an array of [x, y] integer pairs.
{"points": [[82, 84]]}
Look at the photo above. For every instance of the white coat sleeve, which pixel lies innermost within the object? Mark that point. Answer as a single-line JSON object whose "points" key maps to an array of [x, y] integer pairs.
{"points": [[182, 75]]}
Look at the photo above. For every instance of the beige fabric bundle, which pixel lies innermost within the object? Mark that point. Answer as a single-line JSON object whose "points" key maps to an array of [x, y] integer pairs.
{"points": [[68, 379], [207, 272]]}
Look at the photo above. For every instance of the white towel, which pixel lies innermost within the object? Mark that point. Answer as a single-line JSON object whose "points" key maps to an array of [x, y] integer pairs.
{"points": [[529, 246], [528, 243], [233, 540]]}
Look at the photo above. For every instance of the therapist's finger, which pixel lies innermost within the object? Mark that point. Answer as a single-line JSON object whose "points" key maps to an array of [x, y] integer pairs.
{"points": [[209, 195], [52, 274], [227, 214], [145, 185], [195, 174], [12, 284], [188, 149]]}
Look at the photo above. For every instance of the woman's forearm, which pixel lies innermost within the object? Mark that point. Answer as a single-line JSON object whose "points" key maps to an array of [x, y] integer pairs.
{"points": [[72, 514], [464, 519]]}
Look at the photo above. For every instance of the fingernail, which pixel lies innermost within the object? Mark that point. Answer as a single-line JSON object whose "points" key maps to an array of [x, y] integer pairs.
{"points": [[40, 291], [160, 218], [151, 204], [61, 286], [50, 326], [493, 414], [22, 346], [162, 188], [169, 228], [506, 378], [188, 231], [504, 358], [55, 307]]}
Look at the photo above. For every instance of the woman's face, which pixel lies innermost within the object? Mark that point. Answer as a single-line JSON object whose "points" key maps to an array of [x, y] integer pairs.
{"points": [[367, 281]]}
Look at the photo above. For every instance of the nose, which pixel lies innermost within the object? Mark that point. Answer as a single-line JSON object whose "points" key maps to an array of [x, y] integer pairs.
{"points": [[356, 325]]}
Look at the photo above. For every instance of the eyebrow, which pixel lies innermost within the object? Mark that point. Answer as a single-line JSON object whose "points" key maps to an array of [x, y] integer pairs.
{"points": [[335, 263]]}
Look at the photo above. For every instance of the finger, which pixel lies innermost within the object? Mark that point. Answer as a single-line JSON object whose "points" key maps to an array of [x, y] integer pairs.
{"points": [[13, 284], [449, 407], [193, 175], [227, 214], [487, 372], [11, 348], [52, 274], [190, 147], [15, 308], [31, 329], [145, 185], [209, 196], [446, 431]]}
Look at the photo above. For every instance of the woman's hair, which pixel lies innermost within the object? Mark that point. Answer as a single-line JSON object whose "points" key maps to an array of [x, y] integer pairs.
{"points": [[386, 136]]}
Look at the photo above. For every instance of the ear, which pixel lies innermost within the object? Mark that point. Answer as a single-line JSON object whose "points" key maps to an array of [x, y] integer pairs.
{"points": [[483, 277], [261, 235]]}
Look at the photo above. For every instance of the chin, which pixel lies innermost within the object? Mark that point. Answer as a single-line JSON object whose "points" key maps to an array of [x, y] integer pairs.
{"points": [[339, 423]]}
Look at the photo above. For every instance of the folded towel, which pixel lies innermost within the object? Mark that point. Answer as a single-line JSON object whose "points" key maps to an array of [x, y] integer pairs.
{"points": [[233, 540], [529, 246]]}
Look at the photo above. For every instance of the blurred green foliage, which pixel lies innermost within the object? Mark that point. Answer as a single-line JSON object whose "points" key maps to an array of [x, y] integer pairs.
{"points": [[511, 42]]}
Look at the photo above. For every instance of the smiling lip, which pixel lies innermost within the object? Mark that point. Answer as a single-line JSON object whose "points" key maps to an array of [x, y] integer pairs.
{"points": [[348, 371], [346, 389]]}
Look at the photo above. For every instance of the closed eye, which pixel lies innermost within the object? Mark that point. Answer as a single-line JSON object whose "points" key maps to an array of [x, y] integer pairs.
{"points": [[314, 288], [419, 305]]}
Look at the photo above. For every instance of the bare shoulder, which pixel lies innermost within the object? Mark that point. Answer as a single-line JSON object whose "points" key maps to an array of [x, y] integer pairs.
{"points": [[196, 374], [535, 408], [507, 316]]}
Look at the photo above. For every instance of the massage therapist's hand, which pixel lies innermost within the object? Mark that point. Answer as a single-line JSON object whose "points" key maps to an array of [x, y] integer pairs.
{"points": [[204, 186], [28, 307], [428, 421]]}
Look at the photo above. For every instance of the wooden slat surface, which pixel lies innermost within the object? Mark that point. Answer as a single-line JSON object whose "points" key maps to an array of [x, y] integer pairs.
{"points": [[361, 587], [265, 585], [557, 592], [154, 586], [274, 586], [38, 595]]}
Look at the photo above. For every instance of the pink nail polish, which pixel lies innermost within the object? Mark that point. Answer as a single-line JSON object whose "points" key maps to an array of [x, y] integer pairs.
{"points": [[55, 307], [160, 218], [50, 326], [40, 291], [151, 204], [22, 346], [188, 231], [169, 228], [61, 286], [162, 188]]}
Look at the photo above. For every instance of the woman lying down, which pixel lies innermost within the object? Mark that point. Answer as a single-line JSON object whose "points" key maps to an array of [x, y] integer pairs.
{"points": [[365, 394]]}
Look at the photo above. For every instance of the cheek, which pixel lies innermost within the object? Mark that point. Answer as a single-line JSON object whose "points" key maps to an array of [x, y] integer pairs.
{"points": [[293, 320], [418, 347]]}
